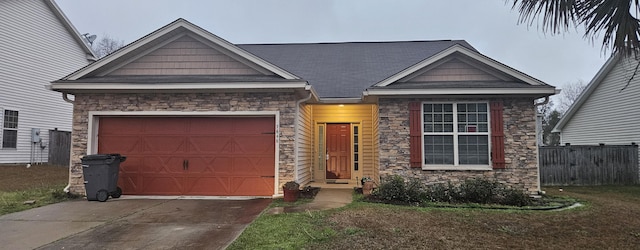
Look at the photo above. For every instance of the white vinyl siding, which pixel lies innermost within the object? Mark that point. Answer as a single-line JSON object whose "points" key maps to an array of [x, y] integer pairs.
{"points": [[36, 49], [609, 115]]}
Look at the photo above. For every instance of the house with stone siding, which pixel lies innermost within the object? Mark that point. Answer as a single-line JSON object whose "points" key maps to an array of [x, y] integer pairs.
{"points": [[198, 115]]}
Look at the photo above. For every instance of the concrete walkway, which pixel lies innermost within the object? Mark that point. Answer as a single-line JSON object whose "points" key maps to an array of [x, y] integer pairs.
{"points": [[325, 199]]}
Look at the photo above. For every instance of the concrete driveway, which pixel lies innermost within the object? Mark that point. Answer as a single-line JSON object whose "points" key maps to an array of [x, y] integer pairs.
{"points": [[130, 224]]}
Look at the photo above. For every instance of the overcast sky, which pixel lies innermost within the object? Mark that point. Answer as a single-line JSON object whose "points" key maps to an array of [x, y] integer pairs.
{"points": [[489, 25]]}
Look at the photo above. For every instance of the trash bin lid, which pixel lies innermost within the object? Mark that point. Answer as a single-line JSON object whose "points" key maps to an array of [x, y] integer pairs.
{"points": [[100, 157]]}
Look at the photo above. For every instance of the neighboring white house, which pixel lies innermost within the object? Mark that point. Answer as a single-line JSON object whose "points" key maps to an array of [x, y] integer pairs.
{"points": [[608, 110], [38, 45]]}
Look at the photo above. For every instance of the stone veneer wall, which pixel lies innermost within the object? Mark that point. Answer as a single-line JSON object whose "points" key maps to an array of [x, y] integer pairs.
{"points": [[520, 146], [188, 102]]}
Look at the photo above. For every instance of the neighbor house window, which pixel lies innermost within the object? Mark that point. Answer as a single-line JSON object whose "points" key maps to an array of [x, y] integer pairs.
{"points": [[10, 129], [455, 133]]}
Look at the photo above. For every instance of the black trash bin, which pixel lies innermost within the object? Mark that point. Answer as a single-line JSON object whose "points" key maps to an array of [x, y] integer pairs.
{"points": [[101, 176]]}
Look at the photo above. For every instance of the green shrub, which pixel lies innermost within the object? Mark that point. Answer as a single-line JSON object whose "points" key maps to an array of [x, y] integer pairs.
{"points": [[478, 191], [396, 189], [514, 197], [441, 192]]}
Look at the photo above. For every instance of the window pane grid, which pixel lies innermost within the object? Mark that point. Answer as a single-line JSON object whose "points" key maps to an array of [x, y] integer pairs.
{"points": [[10, 119], [472, 118], [10, 129], [456, 133], [438, 150]]}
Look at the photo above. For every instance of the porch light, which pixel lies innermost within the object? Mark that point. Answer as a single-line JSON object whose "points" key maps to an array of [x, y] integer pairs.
{"points": [[341, 105]]}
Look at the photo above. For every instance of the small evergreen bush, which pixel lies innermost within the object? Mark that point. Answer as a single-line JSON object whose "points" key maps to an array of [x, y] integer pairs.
{"points": [[396, 189]]}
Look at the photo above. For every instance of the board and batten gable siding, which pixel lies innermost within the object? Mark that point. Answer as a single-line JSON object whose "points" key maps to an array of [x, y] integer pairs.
{"points": [[36, 48], [609, 115], [186, 56], [305, 145]]}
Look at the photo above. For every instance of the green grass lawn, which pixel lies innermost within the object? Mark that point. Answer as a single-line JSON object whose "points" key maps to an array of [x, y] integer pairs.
{"points": [[609, 220], [40, 184]]}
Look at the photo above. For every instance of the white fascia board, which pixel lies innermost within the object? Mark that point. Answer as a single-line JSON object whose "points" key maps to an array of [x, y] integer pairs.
{"points": [[582, 98], [461, 91], [467, 52], [72, 29], [61, 87]]}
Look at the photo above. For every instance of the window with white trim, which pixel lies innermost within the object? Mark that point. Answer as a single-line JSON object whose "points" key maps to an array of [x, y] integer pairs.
{"points": [[455, 133], [10, 129]]}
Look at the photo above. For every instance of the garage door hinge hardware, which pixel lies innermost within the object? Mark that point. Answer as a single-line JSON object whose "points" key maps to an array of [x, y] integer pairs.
{"points": [[185, 164]]}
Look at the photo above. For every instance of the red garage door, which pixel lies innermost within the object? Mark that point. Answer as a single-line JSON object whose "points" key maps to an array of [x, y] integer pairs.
{"points": [[222, 156]]}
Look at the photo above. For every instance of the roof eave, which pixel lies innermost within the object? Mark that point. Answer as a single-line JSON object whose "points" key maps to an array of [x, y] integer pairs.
{"points": [[77, 87], [458, 91]]}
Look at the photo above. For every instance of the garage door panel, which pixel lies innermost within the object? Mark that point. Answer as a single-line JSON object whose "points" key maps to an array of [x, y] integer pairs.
{"points": [[161, 185], [252, 186], [165, 144], [250, 144], [162, 165], [211, 144], [165, 126], [119, 143], [207, 186], [212, 126], [200, 165], [252, 166], [221, 156], [121, 126], [129, 182], [222, 165], [255, 125]]}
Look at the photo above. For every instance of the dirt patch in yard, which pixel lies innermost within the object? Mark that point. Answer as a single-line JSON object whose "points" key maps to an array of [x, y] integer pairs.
{"points": [[18, 177], [608, 221]]}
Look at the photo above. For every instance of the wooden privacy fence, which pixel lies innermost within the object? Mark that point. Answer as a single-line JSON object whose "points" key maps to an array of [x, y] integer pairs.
{"points": [[589, 165], [59, 147]]}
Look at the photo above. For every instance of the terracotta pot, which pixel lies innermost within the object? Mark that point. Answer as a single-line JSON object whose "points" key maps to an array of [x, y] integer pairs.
{"points": [[291, 195], [367, 187]]}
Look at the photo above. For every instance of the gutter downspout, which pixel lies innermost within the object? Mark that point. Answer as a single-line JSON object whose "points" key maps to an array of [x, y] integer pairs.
{"points": [[297, 135], [546, 100], [65, 97]]}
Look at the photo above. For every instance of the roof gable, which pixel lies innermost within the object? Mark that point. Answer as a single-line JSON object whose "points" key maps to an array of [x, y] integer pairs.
{"points": [[455, 69], [489, 65], [187, 56], [129, 59]]}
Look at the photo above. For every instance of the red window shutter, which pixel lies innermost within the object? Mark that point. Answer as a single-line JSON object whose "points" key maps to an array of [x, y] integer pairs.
{"points": [[497, 135], [415, 135]]}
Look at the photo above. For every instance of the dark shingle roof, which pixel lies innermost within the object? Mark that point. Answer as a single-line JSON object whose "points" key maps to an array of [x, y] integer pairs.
{"points": [[338, 70]]}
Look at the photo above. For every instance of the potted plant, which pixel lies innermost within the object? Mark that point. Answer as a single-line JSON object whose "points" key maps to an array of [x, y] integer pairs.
{"points": [[367, 185], [291, 190]]}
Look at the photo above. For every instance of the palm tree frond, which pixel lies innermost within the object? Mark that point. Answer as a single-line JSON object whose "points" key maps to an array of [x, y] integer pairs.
{"points": [[614, 18], [557, 15]]}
